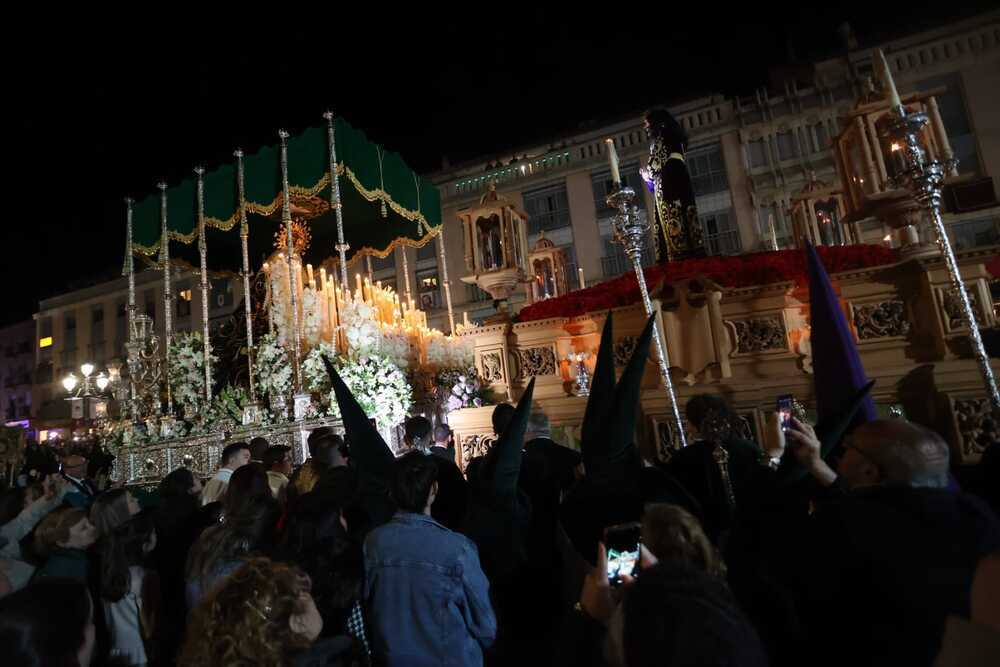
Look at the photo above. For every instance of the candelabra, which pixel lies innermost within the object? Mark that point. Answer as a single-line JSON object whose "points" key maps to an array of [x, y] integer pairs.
{"points": [[631, 230], [88, 396], [582, 385], [924, 178]]}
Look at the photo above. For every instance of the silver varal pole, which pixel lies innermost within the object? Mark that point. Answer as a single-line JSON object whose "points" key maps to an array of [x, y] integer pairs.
{"points": [[444, 278], [368, 266], [342, 247], [168, 319], [925, 179], [203, 252], [244, 241], [286, 219], [130, 273], [631, 231], [406, 274]]}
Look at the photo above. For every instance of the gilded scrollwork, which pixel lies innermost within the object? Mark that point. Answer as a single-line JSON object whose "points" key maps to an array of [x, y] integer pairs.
{"points": [[534, 361], [977, 427], [492, 367], [883, 319], [475, 445], [951, 304], [624, 347], [759, 334]]}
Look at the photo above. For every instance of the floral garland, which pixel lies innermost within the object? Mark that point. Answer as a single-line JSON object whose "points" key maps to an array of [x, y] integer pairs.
{"points": [[274, 369], [187, 371]]}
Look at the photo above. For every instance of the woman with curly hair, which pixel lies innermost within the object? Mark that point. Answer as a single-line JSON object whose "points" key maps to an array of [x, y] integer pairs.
{"points": [[264, 615]]}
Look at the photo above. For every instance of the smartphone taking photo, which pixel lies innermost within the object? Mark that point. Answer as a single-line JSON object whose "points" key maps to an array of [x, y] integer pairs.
{"points": [[784, 409], [622, 542]]}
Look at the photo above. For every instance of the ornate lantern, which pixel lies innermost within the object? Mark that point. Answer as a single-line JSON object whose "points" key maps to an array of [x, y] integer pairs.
{"points": [[818, 214], [872, 163], [547, 269], [496, 248]]}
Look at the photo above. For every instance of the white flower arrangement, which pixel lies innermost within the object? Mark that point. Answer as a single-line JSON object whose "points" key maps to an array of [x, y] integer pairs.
{"points": [[379, 386], [312, 317], [315, 378], [187, 372], [398, 347], [444, 352], [360, 328], [281, 298], [274, 369]]}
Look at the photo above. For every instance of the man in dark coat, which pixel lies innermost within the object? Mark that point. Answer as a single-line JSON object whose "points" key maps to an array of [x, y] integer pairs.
{"points": [[883, 566]]}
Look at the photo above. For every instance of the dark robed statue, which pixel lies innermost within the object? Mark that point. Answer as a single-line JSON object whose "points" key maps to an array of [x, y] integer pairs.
{"points": [[678, 231]]}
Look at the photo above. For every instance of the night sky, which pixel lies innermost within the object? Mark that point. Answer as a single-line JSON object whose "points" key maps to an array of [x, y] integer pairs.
{"points": [[100, 111]]}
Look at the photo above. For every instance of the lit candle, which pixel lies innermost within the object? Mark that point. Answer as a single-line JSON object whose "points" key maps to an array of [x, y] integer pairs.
{"points": [[888, 84], [309, 272], [465, 317], [583, 283], [774, 235], [322, 277], [613, 161], [357, 277], [312, 284]]}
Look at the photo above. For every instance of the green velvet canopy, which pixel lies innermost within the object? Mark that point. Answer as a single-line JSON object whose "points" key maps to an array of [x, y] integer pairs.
{"points": [[384, 203]]}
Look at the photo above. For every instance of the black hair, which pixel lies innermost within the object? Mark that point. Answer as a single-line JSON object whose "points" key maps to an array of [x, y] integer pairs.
{"points": [[246, 484], [701, 406], [258, 446], [418, 430], [45, 624], [275, 454], [413, 476], [230, 451], [120, 550], [502, 414], [322, 442], [677, 615]]}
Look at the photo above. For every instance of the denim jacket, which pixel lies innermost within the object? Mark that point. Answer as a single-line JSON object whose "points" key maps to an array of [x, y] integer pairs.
{"points": [[427, 596]]}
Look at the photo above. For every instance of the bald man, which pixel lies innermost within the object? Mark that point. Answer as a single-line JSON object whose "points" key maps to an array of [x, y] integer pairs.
{"points": [[889, 452], [882, 567]]}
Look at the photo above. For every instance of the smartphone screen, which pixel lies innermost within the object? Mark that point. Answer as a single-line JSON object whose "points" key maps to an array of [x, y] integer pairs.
{"points": [[622, 542], [785, 411]]}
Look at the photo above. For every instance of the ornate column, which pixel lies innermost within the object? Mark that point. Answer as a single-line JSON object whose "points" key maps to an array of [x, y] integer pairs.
{"points": [[244, 241], [286, 219], [203, 252], [342, 247], [168, 296]]}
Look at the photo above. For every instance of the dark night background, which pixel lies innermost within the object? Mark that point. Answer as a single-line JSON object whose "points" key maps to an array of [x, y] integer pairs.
{"points": [[104, 109]]}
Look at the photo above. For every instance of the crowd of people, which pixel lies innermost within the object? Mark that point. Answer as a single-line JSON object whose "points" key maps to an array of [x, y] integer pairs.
{"points": [[752, 552]]}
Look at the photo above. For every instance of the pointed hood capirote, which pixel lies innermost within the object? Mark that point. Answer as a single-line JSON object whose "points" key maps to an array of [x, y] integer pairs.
{"points": [[593, 445], [368, 449], [837, 368]]}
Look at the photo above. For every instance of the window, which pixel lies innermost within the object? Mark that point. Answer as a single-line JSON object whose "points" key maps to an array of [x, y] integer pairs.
{"points": [[708, 172], [184, 297], [69, 328], [951, 106], [758, 153], [427, 251], [428, 291], [721, 234], [602, 185], [475, 294], [614, 262], [547, 208], [149, 300], [974, 233], [97, 324], [821, 138], [384, 263], [769, 214], [788, 148], [221, 294]]}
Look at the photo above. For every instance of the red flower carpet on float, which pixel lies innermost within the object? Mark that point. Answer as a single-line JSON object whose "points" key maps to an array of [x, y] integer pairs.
{"points": [[738, 271]]}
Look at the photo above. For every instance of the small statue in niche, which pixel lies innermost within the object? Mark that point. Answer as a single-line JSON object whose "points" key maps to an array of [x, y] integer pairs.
{"points": [[490, 243]]}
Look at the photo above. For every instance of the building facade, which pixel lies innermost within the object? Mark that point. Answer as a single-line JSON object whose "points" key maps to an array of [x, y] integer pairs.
{"points": [[749, 157], [17, 360], [90, 325]]}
